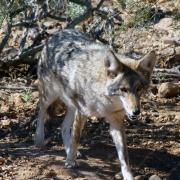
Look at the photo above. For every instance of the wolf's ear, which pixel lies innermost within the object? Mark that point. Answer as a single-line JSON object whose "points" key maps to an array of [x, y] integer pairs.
{"points": [[113, 65], [146, 64]]}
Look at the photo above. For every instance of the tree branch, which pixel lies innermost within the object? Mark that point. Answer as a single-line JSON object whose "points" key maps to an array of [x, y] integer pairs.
{"points": [[174, 70], [85, 15], [59, 18], [103, 13], [10, 87], [27, 24], [6, 37], [22, 58], [86, 3]]}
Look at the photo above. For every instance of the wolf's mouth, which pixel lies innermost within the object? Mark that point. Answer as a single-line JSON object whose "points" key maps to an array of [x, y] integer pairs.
{"points": [[132, 117]]}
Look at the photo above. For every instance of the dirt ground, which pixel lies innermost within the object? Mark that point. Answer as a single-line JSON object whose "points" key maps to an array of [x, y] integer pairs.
{"points": [[153, 142]]}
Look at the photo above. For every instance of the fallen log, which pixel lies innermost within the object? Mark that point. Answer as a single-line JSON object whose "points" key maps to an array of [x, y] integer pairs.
{"points": [[25, 57]]}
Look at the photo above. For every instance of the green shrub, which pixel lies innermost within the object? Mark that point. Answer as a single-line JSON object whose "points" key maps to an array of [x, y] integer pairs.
{"points": [[73, 10], [142, 15], [26, 96], [176, 15]]}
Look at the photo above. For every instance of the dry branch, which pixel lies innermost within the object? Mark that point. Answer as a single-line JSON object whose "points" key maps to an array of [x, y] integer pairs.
{"points": [[59, 18], [166, 75], [10, 87], [174, 70], [85, 15], [22, 58], [31, 20], [86, 3], [103, 13], [6, 37], [29, 24]]}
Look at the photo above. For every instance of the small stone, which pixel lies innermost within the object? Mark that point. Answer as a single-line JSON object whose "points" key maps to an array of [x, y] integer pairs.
{"points": [[119, 176], [170, 41], [154, 177], [164, 24], [16, 100], [177, 53], [140, 177], [177, 117], [2, 160], [35, 94], [162, 1], [169, 51], [169, 89], [5, 122], [4, 108], [36, 82], [49, 24]]}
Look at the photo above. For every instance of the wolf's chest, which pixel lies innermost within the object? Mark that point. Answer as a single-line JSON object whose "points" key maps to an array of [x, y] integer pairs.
{"points": [[99, 106]]}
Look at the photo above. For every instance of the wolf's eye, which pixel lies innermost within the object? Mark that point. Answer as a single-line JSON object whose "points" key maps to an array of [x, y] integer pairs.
{"points": [[124, 90], [112, 74]]}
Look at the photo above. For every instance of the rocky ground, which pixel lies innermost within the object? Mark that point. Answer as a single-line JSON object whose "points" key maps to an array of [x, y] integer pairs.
{"points": [[153, 142]]}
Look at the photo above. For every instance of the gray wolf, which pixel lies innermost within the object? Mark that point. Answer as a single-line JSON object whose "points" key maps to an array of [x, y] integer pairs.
{"points": [[91, 80]]}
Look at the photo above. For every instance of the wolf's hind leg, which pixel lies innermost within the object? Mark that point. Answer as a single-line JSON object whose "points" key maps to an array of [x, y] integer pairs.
{"points": [[77, 127], [46, 98], [66, 127], [42, 116]]}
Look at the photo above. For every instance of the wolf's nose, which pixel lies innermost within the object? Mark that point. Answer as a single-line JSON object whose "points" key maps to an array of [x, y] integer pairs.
{"points": [[136, 112]]}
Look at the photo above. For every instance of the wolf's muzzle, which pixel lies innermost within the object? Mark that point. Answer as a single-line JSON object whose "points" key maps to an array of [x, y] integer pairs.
{"points": [[136, 112], [132, 117]]}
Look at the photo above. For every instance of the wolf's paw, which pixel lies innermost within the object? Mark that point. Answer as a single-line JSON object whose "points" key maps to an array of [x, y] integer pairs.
{"points": [[71, 164], [118, 176], [127, 176]]}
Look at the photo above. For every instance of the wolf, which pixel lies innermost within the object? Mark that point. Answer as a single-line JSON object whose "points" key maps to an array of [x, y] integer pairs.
{"points": [[91, 80]]}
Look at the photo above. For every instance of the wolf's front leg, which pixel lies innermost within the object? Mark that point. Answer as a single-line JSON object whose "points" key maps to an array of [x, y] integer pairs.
{"points": [[118, 135], [71, 139]]}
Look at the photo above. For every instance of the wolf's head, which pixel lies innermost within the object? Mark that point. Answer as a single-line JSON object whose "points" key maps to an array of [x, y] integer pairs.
{"points": [[128, 79]]}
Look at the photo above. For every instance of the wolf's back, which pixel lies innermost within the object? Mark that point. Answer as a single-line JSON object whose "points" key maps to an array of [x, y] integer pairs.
{"points": [[70, 50]]}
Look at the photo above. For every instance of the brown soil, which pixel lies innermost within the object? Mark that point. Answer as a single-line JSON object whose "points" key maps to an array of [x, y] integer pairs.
{"points": [[153, 143]]}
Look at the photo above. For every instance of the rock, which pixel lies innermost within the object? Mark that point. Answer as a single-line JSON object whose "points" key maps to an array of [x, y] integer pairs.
{"points": [[164, 24], [2, 160], [169, 51], [177, 53], [35, 94], [169, 89], [49, 24], [169, 6], [139, 177], [154, 177], [17, 100], [172, 41], [177, 117], [118, 176], [169, 41], [177, 49], [4, 108], [162, 1], [5, 122], [36, 83]]}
